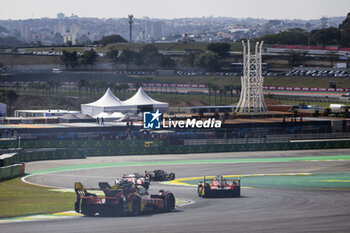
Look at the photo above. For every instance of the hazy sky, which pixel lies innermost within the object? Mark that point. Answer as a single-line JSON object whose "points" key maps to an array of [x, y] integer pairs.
{"points": [[269, 9]]}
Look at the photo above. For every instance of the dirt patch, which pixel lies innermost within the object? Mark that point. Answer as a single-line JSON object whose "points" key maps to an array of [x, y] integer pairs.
{"points": [[270, 101], [173, 103], [46, 102]]}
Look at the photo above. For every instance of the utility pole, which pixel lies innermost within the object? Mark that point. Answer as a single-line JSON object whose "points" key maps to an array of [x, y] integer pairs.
{"points": [[130, 26]]}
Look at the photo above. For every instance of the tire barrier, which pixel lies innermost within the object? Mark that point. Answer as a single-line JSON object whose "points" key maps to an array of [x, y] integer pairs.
{"points": [[12, 171], [9, 159], [35, 155], [25, 144], [8, 168], [127, 149], [66, 149], [27, 156]]}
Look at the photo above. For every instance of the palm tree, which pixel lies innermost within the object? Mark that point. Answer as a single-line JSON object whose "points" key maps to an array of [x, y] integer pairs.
{"points": [[210, 88], [11, 97], [81, 84], [231, 87], [227, 88], [215, 88], [221, 91]]}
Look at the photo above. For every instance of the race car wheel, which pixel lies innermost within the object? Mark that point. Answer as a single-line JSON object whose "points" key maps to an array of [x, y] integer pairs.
{"points": [[172, 176], [88, 210], [169, 204], [135, 206], [145, 185], [206, 190], [200, 190], [238, 191]]}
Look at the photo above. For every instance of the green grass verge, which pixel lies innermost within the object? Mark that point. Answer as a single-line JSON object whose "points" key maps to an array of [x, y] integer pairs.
{"points": [[218, 80], [28, 60], [18, 199]]}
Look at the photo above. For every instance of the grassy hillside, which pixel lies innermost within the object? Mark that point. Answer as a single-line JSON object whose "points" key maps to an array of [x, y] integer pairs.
{"points": [[7, 59]]}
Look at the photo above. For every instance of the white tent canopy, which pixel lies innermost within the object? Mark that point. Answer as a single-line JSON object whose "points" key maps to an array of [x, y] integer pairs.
{"points": [[141, 98], [110, 103], [107, 103], [107, 100], [142, 102]]}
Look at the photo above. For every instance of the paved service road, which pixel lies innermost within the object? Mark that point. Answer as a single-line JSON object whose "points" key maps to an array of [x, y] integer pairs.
{"points": [[258, 210]]}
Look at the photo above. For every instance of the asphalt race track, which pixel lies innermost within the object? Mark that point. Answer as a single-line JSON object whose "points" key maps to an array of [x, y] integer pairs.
{"points": [[258, 210]]}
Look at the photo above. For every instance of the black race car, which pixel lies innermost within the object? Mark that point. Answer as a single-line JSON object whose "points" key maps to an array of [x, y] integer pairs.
{"points": [[159, 175]]}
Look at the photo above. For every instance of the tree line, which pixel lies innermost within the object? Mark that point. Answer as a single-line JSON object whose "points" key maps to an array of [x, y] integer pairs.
{"points": [[319, 37], [148, 56], [72, 59]]}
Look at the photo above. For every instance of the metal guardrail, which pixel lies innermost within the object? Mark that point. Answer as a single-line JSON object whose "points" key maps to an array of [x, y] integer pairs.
{"points": [[269, 139], [319, 136], [277, 138], [306, 99]]}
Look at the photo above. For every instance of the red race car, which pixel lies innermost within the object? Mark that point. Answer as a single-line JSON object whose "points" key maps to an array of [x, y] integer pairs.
{"points": [[122, 198], [219, 187]]}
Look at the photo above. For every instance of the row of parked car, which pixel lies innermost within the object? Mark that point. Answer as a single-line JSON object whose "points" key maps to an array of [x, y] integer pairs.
{"points": [[49, 53], [318, 73], [198, 73]]}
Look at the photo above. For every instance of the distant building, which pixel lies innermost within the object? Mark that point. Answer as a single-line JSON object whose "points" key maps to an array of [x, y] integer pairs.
{"points": [[75, 32], [275, 22], [324, 22], [60, 16], [154, 30], [67, 37], [3, 110], [25, 32], [61, 28], [308, 27]]}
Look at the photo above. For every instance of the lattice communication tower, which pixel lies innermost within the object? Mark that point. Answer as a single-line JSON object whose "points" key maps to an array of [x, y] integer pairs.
{"points": [[252, 96]]}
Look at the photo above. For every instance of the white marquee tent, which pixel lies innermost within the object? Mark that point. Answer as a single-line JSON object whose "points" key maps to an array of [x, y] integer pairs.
{"points": [[109, 103], [142, 102]]}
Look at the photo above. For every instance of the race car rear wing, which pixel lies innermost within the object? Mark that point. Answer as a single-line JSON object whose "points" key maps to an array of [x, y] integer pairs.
{"points": [[233, 179], [81, 191]]}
